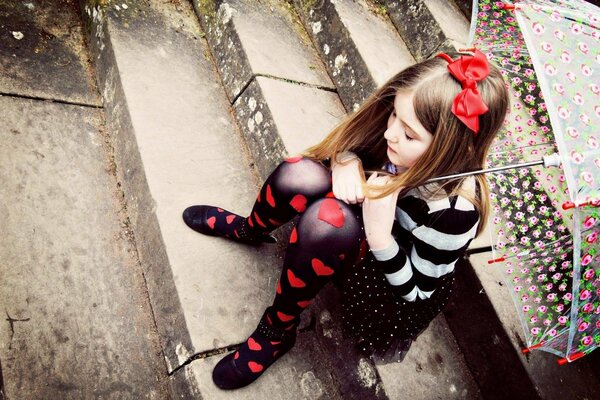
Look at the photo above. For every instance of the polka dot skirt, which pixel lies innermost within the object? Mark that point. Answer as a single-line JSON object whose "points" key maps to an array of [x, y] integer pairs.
{"points": [[383, 325]]}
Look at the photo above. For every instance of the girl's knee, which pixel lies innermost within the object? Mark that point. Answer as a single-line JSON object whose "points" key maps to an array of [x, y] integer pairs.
{"points": [[301, 175], [332, 221]]}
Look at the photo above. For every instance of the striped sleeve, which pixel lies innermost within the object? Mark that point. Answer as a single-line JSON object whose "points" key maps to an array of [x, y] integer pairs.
{"points": [[437, 233]]}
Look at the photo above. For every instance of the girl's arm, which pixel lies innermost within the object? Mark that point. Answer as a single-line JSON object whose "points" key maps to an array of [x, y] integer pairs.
{"points": [[441, 231], [347, 178]]}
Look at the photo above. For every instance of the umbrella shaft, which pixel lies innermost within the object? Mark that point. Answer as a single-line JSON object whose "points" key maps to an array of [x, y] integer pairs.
{"points": [[484, 171]]}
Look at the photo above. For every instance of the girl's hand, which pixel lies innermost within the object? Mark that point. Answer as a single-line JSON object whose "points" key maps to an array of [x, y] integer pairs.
{"points": [[378, 215], [347, 182]]}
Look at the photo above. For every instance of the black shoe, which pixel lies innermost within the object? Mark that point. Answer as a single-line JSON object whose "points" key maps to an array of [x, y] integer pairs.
{"points": [[265, 346], [214, 221]]}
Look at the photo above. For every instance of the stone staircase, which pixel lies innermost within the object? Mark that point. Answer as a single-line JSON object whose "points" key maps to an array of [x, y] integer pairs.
{"points": [[202, 100]]}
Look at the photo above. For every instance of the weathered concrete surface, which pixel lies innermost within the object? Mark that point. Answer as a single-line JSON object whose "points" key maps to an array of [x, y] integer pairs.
{"points": [[304, 378], [494, 347], [361, 50], [76, 322], [428, 26], [241, 51], [42, 52], [434, 368], [176, 145], [278, 118]]}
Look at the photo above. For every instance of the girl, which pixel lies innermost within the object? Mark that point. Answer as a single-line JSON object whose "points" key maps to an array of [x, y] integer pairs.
{"points": [[435, 118]]}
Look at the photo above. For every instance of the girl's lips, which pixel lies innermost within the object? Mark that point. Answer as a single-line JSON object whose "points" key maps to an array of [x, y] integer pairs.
{"points": [[390, 149]]}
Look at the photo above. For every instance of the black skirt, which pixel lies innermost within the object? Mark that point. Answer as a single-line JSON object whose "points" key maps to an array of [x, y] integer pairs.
{"points": [[383, 325]]}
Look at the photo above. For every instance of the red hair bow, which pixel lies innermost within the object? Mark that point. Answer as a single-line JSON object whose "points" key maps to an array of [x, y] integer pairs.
{"points": [[468, 70]]}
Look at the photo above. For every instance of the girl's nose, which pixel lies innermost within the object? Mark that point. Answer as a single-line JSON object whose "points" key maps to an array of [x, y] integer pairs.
{"points": [[391, 134]]}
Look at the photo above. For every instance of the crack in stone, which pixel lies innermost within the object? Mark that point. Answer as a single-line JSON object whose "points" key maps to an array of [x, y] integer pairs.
{"points": [[11, 322]]}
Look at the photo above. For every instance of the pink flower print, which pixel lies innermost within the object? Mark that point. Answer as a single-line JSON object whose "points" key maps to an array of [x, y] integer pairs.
{"points": [[598, 324], [560, 307], [597, 310], [549, 286], [558, 88], [545, 129], [583, 326], [566, 57], [547, 322], [529, 99], [594, 88], [585, 260], [562, 320], [528, 72], [587, 340], [576, 28], [516, 279], [587, 177], [597, 111], [542, 309], [525, 297], [552, 332], [551, 297], [578, 99], [571, 76], [557, 276], [541, 277], [531, 86], [533, 319], [537, 185], [535, 331], [533, 288], [555, 16], [572, 132], [524, 239], [583, 47], [547, 47], [589, 221], [560, 35], [516, 80], [568, 296], [526, 308], [586, 70], [518, 288], [549, 234], [563, 112], [588, 308], [510, 271], [591, 239], [543, 209], [550, 69], [593, 142], [584, 118], [585, 294], [576, 158]]}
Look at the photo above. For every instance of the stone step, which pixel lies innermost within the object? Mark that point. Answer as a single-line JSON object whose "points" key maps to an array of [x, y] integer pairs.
{"points": [[176, 144], [283, 128]]}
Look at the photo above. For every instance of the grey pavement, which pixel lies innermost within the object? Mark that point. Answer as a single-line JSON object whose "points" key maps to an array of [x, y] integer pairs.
{"points": [[76, 321]]}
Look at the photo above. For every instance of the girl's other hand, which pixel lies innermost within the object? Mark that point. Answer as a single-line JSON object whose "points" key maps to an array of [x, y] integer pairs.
{"points": [[379, 214], [347, 182]]}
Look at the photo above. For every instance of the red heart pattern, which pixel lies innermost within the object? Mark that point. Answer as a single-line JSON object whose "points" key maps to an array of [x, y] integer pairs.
{"points": [[294, 159], [236, 355], [295, 282], [294, 236], [270, 198], [254, 345], [258, 221], [304, 304], [299, 203], [255, 367], [331, 212], [284, 317], [211, 222], [278, 290], [320, 268], [230, 218]]}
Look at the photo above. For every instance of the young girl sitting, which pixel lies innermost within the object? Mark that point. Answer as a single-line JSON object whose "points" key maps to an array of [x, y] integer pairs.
{"points": [[435, 118]]}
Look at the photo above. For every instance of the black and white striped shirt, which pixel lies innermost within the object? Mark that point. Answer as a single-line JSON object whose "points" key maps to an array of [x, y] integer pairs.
{"points": [[431, 235]]}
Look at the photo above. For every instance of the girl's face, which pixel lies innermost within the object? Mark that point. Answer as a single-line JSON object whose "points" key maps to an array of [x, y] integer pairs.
{"points": [[407, 139]]}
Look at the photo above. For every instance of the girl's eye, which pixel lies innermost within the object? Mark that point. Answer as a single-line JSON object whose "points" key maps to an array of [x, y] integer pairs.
{"points": [[408, 137]]}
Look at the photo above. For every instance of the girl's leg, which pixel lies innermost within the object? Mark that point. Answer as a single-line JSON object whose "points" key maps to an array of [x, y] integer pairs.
{"points": [[289, 190], [328, 236]]}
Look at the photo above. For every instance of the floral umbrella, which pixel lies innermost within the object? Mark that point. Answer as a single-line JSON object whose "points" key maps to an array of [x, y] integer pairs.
{"points": [[546, 219]]}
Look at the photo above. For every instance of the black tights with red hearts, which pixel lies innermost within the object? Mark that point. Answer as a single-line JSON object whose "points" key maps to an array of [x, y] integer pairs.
{"points": [[328, 236]]}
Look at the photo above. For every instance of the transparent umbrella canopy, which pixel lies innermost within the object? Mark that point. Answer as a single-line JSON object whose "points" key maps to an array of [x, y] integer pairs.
{"points": [[546, 219]]}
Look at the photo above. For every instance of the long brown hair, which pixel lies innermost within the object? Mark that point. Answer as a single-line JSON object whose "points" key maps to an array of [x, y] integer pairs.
{"points": [[454, 147]]}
